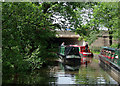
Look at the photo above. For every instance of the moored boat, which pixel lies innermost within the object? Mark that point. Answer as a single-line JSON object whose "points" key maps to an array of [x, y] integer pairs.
{"points": [[110, 61], [85, 53], [69, 54], [75, 53]]}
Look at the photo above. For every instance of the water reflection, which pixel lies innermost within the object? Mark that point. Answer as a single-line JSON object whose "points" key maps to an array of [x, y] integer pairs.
{"points": [[80, 74], [63, 74], [35, 77], [83, 76]]}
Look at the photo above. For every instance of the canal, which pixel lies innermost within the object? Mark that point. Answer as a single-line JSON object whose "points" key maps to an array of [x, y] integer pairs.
{"points": [[60, 73]]}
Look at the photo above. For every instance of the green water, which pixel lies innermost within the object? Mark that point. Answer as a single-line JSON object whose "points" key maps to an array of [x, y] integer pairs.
{"points": [[62, 74]]}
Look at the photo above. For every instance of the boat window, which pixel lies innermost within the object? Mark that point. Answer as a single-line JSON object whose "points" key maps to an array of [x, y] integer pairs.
{"points": [[67, 49], [109, 54], [102, 52], [112, 55], [106, 53], [116, 56], [74, 51]]}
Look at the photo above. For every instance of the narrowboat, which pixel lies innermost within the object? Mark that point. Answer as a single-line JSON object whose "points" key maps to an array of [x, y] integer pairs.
{"points": [[85, 53], [74, 53], [69, 54], [110, 61]]}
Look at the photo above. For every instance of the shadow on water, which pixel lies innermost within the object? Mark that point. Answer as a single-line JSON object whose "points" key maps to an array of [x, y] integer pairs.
{"points": [[61, 73]]}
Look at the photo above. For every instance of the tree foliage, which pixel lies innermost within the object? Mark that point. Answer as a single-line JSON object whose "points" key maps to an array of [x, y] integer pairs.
{"points": [[26, 32], [106, 14], [66, 12], [100, 15]]}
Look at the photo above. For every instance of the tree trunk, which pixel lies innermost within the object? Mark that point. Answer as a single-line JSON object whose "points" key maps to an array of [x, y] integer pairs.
{"points": [[110, 37], [119, 43]]}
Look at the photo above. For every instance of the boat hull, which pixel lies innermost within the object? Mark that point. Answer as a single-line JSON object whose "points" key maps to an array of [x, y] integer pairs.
{"points": [[83, 54], [111, 68], [72, 61], [86, 59]]}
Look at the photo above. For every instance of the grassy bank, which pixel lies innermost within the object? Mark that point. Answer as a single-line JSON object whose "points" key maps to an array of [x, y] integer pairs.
{"points": [[96, 52]]}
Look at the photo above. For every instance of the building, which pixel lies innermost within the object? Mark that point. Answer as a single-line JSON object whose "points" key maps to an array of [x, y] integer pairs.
{"points": [[103, 40]]}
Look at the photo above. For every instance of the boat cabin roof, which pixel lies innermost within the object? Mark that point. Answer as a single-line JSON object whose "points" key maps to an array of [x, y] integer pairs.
{"points": [[75, 46], [108, 48], [112, 49]]}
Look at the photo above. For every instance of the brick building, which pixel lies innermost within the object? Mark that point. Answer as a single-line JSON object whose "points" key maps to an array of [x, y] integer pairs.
{"points": [[103, 40]]}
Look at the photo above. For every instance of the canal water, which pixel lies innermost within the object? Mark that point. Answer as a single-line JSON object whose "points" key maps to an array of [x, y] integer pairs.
{"points": [[60, 74]]}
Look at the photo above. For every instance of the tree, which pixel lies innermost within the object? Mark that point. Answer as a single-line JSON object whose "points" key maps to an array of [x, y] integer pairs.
{"points": [[106, 14], [88, 31], [26, 32]]}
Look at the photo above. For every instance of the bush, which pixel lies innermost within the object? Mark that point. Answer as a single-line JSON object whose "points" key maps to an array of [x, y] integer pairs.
{"points": [[95, 49], [114, 46]]}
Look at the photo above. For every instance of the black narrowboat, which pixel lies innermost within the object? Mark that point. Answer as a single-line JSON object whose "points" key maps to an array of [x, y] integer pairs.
{"points": [[69, 54]]}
